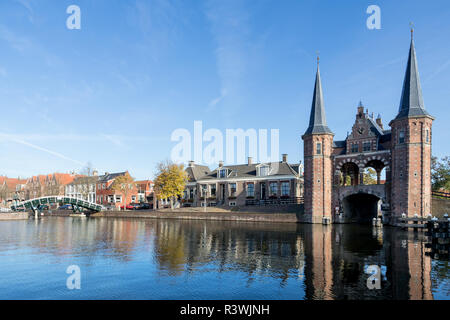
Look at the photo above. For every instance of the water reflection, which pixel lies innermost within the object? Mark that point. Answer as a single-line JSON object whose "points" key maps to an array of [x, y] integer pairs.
{"points": [[191, 259]]}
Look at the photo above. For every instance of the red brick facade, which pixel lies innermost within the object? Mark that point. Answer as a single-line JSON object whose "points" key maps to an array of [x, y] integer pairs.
{"points": [[318, 176], [411, 166], [337, 185]]}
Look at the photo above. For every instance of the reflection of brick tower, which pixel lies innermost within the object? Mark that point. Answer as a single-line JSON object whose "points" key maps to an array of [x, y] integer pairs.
{"points": [[318, 144], [411, 148]]}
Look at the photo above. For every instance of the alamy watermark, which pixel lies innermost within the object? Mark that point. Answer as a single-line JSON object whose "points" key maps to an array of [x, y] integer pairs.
{"points": [[374, 20], [211, 146], [73, 22], [374, 280], [74, 280]]}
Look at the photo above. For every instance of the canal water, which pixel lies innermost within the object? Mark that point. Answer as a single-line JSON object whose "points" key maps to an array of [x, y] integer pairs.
{"points": [[169, 259]]}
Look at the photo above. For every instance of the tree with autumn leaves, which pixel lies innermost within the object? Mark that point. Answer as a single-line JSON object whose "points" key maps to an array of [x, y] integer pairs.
{"points": [[170, 181], [124, 185]]}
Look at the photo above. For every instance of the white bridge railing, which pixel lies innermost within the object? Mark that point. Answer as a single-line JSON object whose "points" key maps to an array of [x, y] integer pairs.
{"points": [[34, 204]]}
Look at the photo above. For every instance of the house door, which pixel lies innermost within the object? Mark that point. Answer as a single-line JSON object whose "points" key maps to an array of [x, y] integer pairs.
{"points": [[263, 190]]}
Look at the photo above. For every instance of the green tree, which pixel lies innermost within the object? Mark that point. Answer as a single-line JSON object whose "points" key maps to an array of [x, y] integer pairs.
{"points": [[370, 176], [440, 173], [124, 185], [170, 181]]}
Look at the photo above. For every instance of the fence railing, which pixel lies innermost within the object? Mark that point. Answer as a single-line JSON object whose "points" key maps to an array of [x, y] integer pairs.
{"points": [[441, 194], [278, 201]]}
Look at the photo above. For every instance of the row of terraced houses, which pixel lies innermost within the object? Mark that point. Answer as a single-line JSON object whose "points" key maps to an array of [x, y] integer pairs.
{"points": [[227, 186], [95, 188]]}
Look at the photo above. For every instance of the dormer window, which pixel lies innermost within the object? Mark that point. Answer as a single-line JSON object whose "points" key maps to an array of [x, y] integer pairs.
{"points": [[263, 171], [223, 173]]}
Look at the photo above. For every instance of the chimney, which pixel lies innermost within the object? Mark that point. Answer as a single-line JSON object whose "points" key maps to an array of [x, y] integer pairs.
{"points": [[250, 161], [191, 164], [285, 157], [379, 122], [220, 164]]}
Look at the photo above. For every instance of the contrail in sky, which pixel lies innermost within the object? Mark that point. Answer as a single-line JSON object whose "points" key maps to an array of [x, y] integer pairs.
{"points": [[56, 154]]}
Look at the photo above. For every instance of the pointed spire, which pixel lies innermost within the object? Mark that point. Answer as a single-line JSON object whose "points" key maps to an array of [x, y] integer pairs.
{"points": [[317, 120], [411, 103]]}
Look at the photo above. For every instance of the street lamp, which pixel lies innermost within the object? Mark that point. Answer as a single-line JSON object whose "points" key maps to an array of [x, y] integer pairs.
{"points": [[204, 188]]}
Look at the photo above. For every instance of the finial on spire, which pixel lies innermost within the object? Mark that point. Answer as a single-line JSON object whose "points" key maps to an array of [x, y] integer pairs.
{"points": [[411, 24], [318, 57]]}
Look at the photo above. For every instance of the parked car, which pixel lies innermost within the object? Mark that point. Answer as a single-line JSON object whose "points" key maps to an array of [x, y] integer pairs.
{"points": [[144, 206], [131, 206], [66, 207]]}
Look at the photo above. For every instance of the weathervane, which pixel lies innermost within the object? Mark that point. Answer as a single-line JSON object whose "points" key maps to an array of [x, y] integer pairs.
{"points": [[412, 29]]}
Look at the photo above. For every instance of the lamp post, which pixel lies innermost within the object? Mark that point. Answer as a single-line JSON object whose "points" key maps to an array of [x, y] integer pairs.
{"points": [[16, 198], [204, 188]]}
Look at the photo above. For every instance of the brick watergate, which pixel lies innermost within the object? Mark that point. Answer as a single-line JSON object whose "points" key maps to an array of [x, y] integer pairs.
{"points": [[335, 172]]}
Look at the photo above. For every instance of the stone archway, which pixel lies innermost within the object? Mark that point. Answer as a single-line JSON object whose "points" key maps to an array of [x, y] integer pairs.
{"points": [[361, 207]]}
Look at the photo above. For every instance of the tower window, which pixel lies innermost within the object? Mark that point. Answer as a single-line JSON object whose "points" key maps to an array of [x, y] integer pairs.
{"points": [[427, 135], [401, 137], [319, 148]]}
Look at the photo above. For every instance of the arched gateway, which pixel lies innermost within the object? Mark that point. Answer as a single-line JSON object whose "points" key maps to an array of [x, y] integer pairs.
{"points": [[375, 171]]}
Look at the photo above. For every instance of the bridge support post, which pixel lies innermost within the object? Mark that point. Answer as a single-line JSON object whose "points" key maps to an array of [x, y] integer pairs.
{"points": [[326, 220]]}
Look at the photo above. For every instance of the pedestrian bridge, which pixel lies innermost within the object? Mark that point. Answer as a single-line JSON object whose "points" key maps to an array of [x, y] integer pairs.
{"points": [[34, 204]]}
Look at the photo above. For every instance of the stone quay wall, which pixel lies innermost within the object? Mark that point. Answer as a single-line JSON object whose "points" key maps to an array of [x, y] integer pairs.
{"points": [[14, 216]]}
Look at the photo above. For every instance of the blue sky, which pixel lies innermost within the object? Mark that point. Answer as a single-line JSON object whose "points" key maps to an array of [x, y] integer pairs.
{"points": [[113, 92]]}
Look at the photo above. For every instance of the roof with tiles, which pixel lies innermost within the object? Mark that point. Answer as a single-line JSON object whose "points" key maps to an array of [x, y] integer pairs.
{"points": [[245, 170]]}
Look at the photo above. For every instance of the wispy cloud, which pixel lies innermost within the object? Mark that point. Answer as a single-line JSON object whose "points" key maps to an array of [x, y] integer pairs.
{"points": [[19, 43], [441, 68], [116, 140], [27, 4], [230, 29], [159, 22], [36, 147], [215, 101]]}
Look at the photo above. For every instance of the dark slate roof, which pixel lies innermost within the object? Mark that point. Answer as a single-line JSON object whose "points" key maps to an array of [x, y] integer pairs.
{"points": [[411, 103], [296, 168], [339, 144], [385, 137], [317, 120], [375, 127], [249, 171], [197, 172], [110, 176]]}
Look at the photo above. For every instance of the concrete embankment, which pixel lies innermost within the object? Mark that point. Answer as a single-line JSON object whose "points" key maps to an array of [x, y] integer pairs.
{"points": [[14, 216], [210, 215]]}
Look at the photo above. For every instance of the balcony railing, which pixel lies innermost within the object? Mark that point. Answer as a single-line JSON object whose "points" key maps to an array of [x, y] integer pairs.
{"points": [[277, 201]]}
